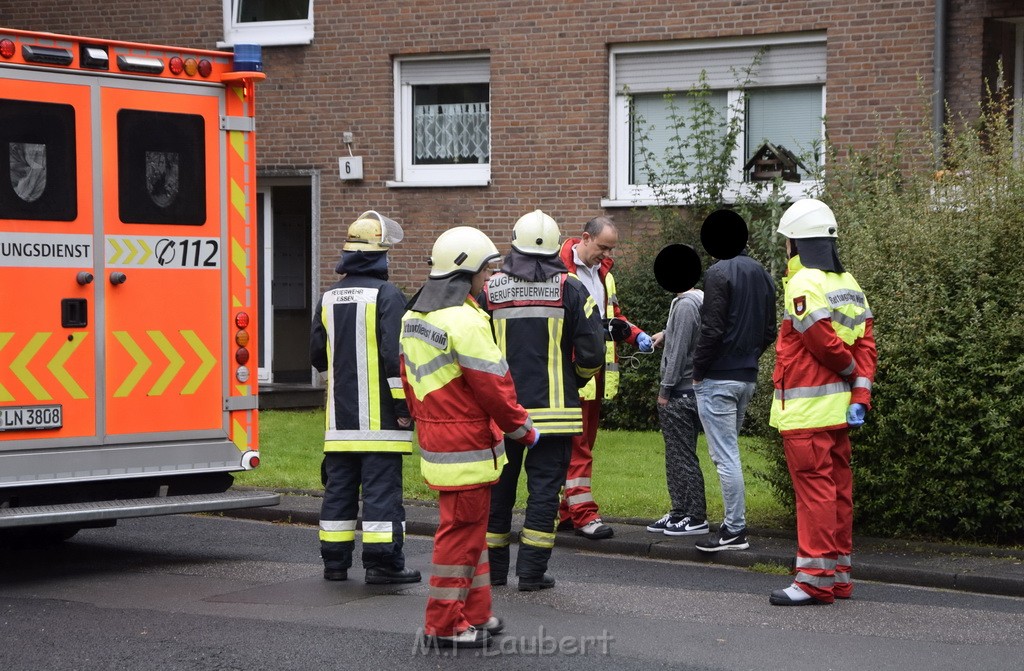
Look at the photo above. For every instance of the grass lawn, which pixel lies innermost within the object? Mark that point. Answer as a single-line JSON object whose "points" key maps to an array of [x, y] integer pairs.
{"points": [[628, 481]]}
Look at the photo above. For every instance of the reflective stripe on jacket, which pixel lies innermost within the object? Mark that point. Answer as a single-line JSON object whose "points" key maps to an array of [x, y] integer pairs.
{"points": [[354, 336], [461, 395], [825, 353], [551, 335]]}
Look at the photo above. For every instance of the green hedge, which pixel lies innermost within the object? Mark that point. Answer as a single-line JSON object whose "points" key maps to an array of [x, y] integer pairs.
{"points": [[940, 256]]}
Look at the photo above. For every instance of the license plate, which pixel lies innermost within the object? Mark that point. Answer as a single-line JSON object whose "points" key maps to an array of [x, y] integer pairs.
{"points": [[29, 417]]}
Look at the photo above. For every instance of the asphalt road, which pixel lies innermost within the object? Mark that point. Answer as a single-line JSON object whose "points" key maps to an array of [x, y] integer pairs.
{"points": [[198, 592]]}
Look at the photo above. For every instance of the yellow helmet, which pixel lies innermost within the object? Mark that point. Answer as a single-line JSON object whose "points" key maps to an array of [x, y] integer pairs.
{"points": [[536, 233], [372, 232], [808, 218], [462, 249]]}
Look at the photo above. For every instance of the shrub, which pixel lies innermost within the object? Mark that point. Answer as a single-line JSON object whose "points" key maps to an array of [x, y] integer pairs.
{"points": [[939, 257]]}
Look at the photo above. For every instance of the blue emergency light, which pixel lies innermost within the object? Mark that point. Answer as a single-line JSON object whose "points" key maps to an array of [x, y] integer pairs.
{"points": [[248, 57]]}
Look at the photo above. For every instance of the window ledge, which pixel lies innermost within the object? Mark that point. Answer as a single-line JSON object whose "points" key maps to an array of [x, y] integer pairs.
{"points": [[432, 184]]}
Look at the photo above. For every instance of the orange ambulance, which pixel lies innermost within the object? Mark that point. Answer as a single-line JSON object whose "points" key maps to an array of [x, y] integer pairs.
{"points": [[128, 285]]}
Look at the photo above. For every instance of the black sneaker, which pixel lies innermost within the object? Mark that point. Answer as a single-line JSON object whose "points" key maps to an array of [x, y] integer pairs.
{"points": [[726, 540], [335, 574], [659, 526], [686, 527]]}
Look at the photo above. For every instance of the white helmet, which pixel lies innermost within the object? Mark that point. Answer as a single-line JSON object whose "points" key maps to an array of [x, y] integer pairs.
{"points": [[808, 218], [372, 232], [462, 249], [537, 234]]}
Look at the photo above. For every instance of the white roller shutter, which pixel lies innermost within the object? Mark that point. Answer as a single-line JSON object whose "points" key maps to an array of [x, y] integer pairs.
{"points": [[446, 71], [678, 70]]}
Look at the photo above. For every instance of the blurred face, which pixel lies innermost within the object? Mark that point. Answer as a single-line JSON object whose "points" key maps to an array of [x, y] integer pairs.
{"points": [[593, 250]]}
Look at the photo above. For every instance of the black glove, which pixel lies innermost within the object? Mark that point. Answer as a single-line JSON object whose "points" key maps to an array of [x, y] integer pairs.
{"points": [[618, 329]]}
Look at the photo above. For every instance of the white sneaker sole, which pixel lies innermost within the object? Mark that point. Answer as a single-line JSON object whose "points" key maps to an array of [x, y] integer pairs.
{"points": [[741, 546], [693, 532]]}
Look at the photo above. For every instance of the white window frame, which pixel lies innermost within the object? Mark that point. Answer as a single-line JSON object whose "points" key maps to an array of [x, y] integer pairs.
{"points": [[265, 33], [623, 194], [409, 175]]}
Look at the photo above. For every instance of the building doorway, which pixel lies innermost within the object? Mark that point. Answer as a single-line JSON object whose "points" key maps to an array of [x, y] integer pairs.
{"points": [[285, 215]]}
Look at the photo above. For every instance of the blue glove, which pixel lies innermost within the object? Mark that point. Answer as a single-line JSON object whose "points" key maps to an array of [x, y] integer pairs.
{"points": [[855, 414], [644, 342], [536, 438]]}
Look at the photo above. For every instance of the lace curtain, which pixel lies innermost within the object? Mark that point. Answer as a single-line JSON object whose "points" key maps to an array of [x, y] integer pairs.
{"points": [[452, 133]]}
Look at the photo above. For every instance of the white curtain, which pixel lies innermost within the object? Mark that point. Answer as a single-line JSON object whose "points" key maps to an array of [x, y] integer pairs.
{"points": [[452, 132]]}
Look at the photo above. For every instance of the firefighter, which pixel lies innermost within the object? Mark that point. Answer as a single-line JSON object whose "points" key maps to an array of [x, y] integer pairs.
{"points": [[549, 330], [825, 365], [589, 257], [354, 338], [463, 399]]}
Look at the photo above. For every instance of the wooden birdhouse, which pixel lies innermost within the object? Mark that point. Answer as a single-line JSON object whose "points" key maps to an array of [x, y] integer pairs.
{"points": [[771, 161]]}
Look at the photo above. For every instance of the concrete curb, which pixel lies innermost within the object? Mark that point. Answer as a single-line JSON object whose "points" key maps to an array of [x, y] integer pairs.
{"points": [[983, 570]]}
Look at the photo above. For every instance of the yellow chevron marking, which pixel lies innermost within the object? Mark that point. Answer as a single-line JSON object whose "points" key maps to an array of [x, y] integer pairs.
{"points": [[20, 367], [238, 198], [238, 258], [146, 251], [235, 303], [117, 250], [239, 435], [56, 365], [237, 139], [4, 394], [174, 362], [131, 250], [207, 359], [142, 364], [242, 389]]}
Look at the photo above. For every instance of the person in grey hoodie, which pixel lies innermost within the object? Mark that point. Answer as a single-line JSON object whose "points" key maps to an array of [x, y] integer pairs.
{"points": [[677, 413]]}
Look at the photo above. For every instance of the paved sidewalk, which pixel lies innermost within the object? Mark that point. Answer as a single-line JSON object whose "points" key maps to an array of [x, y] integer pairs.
{"points": [[986, 570]]}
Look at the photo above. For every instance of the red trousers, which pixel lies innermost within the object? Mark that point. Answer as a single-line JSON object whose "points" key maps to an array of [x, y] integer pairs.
{"points": [[460, 583], [578, 502], [819, 465]]}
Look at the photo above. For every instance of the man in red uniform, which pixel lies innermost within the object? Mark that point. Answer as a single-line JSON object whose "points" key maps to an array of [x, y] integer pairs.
{"points": [[825, 365], [589, 257], [461, 394]]}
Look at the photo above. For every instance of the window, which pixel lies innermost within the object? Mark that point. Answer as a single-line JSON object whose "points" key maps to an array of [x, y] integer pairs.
{"points": [[161, 168], [782, 103], [268, 22], [37, 161], [442, 122]]}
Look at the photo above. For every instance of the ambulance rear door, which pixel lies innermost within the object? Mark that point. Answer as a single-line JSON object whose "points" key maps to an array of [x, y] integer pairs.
{"points": [[165, 267], [48, 256]]}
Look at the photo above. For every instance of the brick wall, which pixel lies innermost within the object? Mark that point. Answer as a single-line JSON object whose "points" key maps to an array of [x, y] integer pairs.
{"points": [[549, 90]]}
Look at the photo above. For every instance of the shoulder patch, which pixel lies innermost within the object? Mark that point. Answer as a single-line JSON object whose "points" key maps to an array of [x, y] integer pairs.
{"points": [[800, 305]]}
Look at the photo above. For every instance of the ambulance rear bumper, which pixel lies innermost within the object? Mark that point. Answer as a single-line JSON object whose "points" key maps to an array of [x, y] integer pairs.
{"points": [[84, 513]]}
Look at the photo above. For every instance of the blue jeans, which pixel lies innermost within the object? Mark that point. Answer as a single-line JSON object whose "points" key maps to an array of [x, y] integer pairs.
{"points": [[721, 405]]}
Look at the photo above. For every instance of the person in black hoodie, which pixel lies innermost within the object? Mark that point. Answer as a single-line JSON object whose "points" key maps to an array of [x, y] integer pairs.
{"points": [[354, 340], [737, 325]]}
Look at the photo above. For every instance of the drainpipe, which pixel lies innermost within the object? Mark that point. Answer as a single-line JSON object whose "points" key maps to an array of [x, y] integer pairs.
{"points": [[939, 79]]}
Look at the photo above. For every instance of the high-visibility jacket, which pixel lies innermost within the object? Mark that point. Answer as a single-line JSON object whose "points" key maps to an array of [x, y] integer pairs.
{"points": [[611, 309], [461, 395], [354, 338], [825, 353], [551, 336]]}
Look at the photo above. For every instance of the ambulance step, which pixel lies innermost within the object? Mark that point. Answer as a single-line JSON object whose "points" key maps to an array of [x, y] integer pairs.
{"points": [[71, 513]]}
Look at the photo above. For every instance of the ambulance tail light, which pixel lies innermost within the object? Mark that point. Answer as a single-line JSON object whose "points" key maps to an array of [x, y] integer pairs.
{"points": [[205, 68], [7, 48], [250, 460], [176, 65], [242, 352]]}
